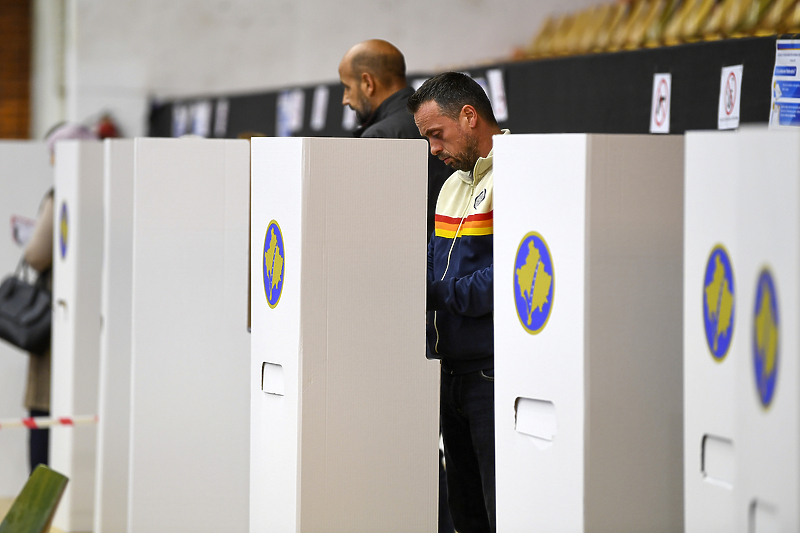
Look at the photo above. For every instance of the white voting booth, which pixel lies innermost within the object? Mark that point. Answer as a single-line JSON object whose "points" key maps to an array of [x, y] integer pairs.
{"points": [[588, 368], [77, 256], [742, 263], [189, 403], [344, 405], [113, 429], [25, 177]]}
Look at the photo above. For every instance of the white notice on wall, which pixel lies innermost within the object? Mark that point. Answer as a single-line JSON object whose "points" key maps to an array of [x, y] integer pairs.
{"points": [[221, 118], [180, 120], [201, 118], [785, 103], [319, 108], [289, 117], [497, 91], [730, 97], [349, 119], [660, 108]]}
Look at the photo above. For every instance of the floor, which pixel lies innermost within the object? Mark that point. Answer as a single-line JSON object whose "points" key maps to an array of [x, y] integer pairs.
{"points": [[5, 505]]}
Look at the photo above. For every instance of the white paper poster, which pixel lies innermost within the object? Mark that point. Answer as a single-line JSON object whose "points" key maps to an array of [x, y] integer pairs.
{"points": [[730, 97], [201, 118], [319, 108], [289, 118], [785, 102], [497, 93], [221, 118], [660, 108], [180, 120], [349, 119]]}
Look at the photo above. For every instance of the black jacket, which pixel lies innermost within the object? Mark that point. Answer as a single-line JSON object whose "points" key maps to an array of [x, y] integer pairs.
{"points": [[391, 120]]}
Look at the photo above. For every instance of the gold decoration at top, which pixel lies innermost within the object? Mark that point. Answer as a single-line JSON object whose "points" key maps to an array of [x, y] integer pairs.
{"points": [[634, 24]]}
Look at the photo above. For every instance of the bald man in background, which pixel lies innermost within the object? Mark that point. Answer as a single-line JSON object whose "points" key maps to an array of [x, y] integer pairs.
{"points": [[373, 74]]}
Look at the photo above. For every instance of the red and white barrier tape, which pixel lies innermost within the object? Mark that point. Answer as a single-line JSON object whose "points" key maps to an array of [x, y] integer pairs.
{"points": [[40, 422]]}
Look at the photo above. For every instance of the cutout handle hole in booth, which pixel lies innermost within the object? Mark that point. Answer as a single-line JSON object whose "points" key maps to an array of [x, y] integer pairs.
{"points": [[536, 419], [718, 461], [272, 378]]}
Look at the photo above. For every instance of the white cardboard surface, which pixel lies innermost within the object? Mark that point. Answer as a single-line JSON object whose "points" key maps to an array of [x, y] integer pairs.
{"points": [[76, 325], [742, 190], [768, 216], [709, 386], [113, 429], [25, 177], [609, 210], [351, 444], [190, 347]]}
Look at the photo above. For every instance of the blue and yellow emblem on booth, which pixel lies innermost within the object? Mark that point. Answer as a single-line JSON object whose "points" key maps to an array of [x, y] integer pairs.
{"points": [[273, 264], [534, 283], [63, 230], [766, 330], [719, 302]]}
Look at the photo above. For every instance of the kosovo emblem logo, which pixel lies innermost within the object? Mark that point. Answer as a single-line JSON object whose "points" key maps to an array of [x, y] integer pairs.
{"points": [[534, 283], [766, 329], [273, 264], [63, 233], [718, 302]]}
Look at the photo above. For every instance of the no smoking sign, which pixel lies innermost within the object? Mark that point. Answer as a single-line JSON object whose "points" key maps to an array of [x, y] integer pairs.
{"points": [[660, 108], [730, 97]]}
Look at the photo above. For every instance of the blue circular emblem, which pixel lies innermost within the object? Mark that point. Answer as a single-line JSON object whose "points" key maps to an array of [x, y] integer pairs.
{"points": [[719, 302], [63, 232], [273, 264], [534, 283], [766, 329]]}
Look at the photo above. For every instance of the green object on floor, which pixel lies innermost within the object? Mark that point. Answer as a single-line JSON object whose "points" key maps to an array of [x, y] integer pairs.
{"points": [[33, 510]]}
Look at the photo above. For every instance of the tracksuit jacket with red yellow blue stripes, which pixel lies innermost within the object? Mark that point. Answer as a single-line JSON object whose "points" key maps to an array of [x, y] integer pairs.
{"points": [[460, 272]]}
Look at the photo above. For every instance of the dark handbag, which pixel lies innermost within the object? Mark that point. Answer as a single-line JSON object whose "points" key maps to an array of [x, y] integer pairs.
{"points": [[25, 311]]}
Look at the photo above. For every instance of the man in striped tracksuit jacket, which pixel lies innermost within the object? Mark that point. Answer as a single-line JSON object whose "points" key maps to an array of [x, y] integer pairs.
{"points": [[453, 112]]}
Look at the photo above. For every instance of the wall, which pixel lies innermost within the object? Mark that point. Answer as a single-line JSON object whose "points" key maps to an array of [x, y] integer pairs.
{"points": [[120, 53]]}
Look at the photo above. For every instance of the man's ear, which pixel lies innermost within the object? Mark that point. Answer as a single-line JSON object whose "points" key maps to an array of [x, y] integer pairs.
{"points": [[469, 116], [367, 84]]}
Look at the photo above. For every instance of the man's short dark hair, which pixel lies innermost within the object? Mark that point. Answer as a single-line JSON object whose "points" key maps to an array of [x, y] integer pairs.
{"points": [[452, 91]]}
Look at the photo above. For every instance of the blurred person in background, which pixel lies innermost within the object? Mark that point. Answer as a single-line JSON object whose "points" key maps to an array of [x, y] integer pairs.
{"points": [[39, 255]]}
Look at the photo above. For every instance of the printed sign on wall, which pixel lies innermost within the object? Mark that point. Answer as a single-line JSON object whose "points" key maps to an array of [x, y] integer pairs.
{"points": [[730, 97], [660, 108], [785, 104]]}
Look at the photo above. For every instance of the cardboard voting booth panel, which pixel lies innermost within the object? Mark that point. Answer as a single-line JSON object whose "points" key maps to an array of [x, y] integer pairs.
{"points": [[77, 256], [113, 429], [189, 429], [743, 197], [587, 266], [768, 376], [344, 404], [25, 177], [710, 284]]}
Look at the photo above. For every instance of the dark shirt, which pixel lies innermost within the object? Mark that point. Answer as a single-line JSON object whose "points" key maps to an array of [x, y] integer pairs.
{"points": [[391, 120]]}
